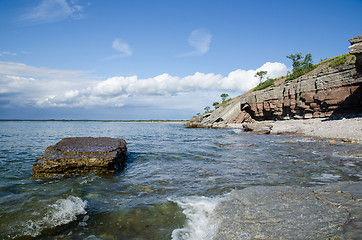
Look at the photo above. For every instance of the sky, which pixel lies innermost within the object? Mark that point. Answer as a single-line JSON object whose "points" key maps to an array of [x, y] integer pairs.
{"points": [[144, 59]]}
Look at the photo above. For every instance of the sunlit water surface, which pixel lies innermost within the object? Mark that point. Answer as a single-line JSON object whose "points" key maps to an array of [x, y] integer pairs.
{"points": [[173, 180]]}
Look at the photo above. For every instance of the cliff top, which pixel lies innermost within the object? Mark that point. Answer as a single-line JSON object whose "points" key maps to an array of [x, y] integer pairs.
{"points": [[324, 65]]}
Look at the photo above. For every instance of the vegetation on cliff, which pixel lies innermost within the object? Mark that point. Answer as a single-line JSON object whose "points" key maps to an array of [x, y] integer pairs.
{"points": [[337, 61], [303, 66], [268, 83]]}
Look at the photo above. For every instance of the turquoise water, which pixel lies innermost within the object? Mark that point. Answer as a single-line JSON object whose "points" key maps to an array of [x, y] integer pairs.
{"points": [[173, 179]]}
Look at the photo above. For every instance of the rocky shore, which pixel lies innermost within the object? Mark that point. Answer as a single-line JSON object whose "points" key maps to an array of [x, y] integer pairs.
{"points": [[344, 129], [325, 102]]}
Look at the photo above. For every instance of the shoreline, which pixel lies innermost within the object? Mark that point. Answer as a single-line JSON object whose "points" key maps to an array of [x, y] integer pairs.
{"points": [[345, 129], [120, 121]]}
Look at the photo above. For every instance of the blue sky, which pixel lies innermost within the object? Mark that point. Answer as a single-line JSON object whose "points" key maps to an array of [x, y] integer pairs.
{"points": [[97, 59]]}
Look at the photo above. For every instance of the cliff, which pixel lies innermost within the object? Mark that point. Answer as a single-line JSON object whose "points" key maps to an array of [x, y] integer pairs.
{"points": [[333, 87]]}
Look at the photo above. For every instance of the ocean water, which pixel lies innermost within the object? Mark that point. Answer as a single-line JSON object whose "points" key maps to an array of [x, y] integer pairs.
{"points": [[173, 180]]}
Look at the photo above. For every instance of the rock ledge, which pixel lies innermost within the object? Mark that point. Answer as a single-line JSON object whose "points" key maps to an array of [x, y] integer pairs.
{"points": [[82, 154]]}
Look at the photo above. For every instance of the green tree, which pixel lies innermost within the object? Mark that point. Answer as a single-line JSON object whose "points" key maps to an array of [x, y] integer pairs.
{"points": [[215, 104], [301, 65], [261, 75], [207, 109], [224, 96]]}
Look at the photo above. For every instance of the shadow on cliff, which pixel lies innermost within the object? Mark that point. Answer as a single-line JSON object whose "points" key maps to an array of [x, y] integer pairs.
{"points": [[351, 107]]}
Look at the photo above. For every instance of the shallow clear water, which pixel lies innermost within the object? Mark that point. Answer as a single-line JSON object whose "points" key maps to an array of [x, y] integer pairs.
{"points": [[173, 179]]}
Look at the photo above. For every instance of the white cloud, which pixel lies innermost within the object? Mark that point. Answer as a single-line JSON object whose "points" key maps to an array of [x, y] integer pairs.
{"points": [[200, 40], [51, 87], [121, 46], [7, 53], [54, 10]]}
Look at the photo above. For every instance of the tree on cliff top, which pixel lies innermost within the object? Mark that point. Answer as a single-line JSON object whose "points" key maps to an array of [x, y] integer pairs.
{"points": [[215, 104], [301, 65], [224, 96], [261, 75]]}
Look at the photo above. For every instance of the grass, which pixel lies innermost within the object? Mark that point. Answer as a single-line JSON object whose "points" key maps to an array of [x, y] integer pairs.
{"points": [[335, 61], [225, 102], [268, 83]]}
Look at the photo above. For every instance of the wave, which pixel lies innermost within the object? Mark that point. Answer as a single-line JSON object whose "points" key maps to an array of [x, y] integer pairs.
{"points": [[63, 211], [200, 223]]}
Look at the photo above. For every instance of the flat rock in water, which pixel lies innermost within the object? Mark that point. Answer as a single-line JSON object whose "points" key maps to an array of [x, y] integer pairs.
{"points": [[326, 212], [82, 154]]}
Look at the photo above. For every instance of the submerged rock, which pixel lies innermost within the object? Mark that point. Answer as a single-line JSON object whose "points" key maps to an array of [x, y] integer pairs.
{"points": [[82, 154], [327, 212]]}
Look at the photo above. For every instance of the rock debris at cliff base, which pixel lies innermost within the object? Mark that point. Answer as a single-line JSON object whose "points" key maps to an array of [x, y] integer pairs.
{"points": [[345, 129]]}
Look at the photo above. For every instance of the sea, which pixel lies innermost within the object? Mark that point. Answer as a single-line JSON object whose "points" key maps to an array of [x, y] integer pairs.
{"points": [[173, 180]]}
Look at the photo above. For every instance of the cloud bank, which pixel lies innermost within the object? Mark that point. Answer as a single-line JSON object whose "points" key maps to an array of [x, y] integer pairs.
{"points": [[21, 84]]}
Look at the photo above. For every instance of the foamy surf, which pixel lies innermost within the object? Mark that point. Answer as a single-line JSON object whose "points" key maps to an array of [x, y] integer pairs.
{"points": [[200, 225], [63, 211]]}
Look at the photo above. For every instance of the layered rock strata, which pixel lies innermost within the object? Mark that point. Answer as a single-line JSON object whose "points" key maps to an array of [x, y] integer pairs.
{"points": [[82, 154], [333, 91], [324, 92], [356, 49]]}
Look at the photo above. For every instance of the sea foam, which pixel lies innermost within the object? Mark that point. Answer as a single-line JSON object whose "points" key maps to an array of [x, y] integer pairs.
{"points": [[63, 211], [200, 224]]}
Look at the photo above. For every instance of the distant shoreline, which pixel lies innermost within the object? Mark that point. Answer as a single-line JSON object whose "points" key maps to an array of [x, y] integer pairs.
{"points": [[67, 120]]}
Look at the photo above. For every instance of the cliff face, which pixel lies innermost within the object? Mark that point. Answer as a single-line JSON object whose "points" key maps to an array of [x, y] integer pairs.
{"points": [[321, 93], [356, 49]]}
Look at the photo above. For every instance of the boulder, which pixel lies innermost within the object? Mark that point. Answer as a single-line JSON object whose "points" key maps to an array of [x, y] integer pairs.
{"points": [[257, 127], [82, 154]]}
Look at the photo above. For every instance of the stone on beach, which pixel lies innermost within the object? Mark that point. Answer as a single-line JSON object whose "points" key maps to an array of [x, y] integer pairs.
{"points": [[82, 154]]}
